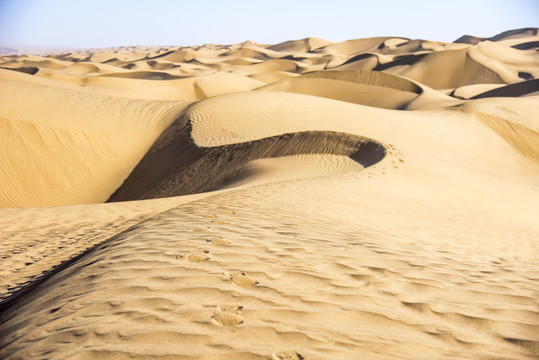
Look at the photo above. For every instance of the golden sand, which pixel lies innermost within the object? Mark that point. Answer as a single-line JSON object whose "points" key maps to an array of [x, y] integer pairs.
{"points": [[370, 199]]}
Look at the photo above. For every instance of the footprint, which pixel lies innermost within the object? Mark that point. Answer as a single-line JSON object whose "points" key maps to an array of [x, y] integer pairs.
{"points": [[230, 308], [195, 257], [227, 316], [200, 229], [220, 222], [241, 279], [218, 241], [286, 355]]}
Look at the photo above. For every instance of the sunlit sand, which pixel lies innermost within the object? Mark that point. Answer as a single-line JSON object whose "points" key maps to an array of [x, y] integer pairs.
{"points": [[369, 199]]}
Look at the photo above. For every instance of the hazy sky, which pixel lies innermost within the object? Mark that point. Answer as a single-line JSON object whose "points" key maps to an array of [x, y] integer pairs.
{"points": [[100, 23]]}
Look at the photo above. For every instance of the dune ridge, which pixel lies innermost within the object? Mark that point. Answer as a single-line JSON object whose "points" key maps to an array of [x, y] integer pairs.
{"points": [[220, 165], [372, 198]]}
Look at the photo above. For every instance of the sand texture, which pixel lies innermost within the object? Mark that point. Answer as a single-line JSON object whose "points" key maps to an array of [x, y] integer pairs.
{"points": [[369, 199]]}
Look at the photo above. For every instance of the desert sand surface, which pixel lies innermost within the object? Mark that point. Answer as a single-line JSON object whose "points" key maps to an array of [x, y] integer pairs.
{"points": [[368, 199]]}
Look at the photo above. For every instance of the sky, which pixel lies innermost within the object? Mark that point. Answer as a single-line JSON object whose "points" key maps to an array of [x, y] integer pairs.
{"points": [[104, 23]]}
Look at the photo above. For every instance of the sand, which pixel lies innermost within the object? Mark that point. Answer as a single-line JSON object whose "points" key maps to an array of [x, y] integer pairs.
{"points": [[374, 198]]}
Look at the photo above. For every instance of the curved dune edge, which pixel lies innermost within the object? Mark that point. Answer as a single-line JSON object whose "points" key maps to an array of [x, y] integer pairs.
{"points": [[373, 78], [468, 91], [511, 90], [370, 88], [363, 87], [175, 165]]}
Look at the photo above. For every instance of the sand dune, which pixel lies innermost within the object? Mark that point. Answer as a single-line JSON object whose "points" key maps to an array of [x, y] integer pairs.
{"points": [[300, 46], [224, 83], [357, 86], [506, 35], [512, 90], [374, 198], [75, 151], [460, 69], [517, 125]]}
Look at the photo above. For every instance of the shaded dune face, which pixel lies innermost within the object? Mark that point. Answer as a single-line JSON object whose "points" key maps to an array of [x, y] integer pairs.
{"points": [[459, 69], [175, 165], [512, 90]]}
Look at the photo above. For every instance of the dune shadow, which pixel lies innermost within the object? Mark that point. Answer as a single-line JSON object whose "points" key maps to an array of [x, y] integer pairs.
{"points": [[511, 90], [143, 75], [175, 165], [526, 45], [31, 70]]}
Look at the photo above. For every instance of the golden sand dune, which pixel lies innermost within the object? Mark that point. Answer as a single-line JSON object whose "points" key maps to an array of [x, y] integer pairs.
{"points": [[374, 198], [357, 86], [75, 150]]}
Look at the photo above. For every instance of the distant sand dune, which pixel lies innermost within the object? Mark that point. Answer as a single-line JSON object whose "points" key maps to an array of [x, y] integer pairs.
{"points": [[357, 86], [300, 46], [511, 90], [517, 33], [82, 68], [270, 66], [459, 69], [224, 83], [176, 56], [146, 75]]}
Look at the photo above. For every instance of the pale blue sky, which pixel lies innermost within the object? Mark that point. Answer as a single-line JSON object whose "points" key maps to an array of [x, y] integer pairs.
{"points": [[100, 23]]}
